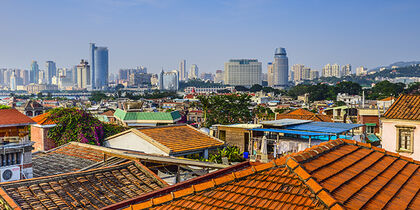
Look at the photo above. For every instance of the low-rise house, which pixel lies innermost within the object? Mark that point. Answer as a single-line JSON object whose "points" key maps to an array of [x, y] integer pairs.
{"points": [[174, 140], [235, 135], [195, 116], [370, 118], [39, 132], [349, 99], [401, 127], [15, 146], [33, 108], [146, 119], [338, 174], [385, 103], [343, 114]]}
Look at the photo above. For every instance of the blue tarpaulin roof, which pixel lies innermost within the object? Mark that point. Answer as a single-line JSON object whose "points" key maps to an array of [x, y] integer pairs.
{"points": [[326, 127], [303, 133]]}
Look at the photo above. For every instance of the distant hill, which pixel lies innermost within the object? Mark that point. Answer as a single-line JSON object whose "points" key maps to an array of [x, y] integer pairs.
{"points": [[399, 64]]}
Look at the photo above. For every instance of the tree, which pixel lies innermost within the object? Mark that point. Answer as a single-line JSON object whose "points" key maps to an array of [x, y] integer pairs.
{"points": [[241, 88], [97, 96], [4, 107], [385, 89], [413, 88], [225, 109], [73, 124], [350, 88], [261, 112], [256, 88]]}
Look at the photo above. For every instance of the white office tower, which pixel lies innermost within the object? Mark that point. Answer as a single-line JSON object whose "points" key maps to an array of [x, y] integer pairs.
{"points": [[169, 80], [346, 70], [13, 82], [280, 68], [244, 72], [193, 72], [183, 71]]}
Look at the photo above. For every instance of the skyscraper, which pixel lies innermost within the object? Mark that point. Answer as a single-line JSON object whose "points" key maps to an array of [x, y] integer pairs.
{"points": [[219, 76], [245, 72], [34, 74], [361, 71], [270, 74], [13, 81], [280, 68], [83, 74], [193, 72], [99, 66], [336, 70], [183, 71], [50, 71]]}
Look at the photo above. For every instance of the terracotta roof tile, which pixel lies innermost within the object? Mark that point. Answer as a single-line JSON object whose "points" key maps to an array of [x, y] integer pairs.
{"points": [[89, 189], [303, 114], [43, 119], [12, 117], [406, 107], [341, 174], [181, 138]]}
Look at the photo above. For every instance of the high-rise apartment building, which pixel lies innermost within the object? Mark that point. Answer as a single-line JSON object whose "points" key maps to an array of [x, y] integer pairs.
{"points": [[207, 76], [331, 70], [83, 74], [169, 80], [50, 71], [245, 72], [13, 81], [280, 68], [300, 72], [34, 74], [346, 70], [361, 71], [270, 74], [193, 72], [99, 66], [183, 70], [297, 70]]}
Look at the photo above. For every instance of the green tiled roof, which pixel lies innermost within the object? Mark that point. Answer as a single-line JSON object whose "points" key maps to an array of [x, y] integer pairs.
{"points": [[123, 115]]}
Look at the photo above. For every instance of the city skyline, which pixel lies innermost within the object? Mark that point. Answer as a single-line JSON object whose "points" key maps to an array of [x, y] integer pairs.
{"points": [[167, 32]]}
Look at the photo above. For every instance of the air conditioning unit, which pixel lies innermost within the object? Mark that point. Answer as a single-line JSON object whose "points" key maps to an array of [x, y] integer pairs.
{"points": [[8, 174]]}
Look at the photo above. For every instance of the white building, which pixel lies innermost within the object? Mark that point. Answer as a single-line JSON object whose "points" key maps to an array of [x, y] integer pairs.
{"points": [[349, 99], [346, 70], [331, 70], [182, 70], [219, 76], [83, 74], [245, 72], [193, 72]]}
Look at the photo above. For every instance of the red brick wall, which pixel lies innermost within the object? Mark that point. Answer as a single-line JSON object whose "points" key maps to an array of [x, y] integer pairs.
{"points": [[42, 142], [363, 119]]}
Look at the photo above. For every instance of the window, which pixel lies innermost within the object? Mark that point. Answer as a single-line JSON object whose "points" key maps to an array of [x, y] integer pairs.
{"points": [[370, 129], [405, 135]]}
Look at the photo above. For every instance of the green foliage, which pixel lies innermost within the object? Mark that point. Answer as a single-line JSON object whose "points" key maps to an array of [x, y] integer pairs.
{"points": [[413, 88], [256, 88], [262, 112], [323, 91], [73, 124], [98, 96], [385, 89], [241, 88], [231, 152], [4, 107], [225, 109], [154, 95]]}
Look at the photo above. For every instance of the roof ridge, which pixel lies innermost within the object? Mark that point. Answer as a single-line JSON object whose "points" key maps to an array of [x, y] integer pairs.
{"points": [[214, 182]]}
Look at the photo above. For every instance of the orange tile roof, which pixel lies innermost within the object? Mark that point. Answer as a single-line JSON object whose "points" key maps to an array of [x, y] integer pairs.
{"points": [[180, 138], [43, 119], [12, 117], [406, 107], [109, 113], [302, 114], [388, 98], [334, 175]]}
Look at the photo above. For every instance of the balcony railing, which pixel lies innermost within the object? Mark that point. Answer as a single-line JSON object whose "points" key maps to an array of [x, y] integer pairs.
{"points": [[14, 140]]}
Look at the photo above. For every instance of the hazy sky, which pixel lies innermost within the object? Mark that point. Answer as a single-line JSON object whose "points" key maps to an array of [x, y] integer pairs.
{"points": [[159, 33]]}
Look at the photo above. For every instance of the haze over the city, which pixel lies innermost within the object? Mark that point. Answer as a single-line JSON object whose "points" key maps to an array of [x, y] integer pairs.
{"points": [[158, 34]]}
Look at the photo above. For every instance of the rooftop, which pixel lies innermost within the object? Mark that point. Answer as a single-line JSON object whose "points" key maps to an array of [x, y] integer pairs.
{"points": [[12, 117], [90, 189], [147, 116], [406, 107], [302, 114], [180, 138], [336, 174], [43, 119]]}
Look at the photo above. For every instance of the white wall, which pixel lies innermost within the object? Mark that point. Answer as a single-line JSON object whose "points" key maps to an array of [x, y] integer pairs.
{"points": [[131, 141], [389, 138]]}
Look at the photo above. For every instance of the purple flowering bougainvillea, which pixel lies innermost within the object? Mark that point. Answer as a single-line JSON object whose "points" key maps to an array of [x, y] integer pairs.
{"points": [[74, 124]]}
